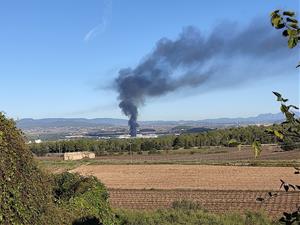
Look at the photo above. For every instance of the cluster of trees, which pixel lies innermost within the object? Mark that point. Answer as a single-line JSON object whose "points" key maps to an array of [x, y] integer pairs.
{"points": [[219, 137]]}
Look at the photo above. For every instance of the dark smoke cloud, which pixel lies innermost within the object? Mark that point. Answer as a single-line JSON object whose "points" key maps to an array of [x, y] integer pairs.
{"points": [[193, 60]]}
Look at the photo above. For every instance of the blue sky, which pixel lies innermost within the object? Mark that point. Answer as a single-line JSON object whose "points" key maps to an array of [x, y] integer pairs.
{"points": [[59, 58]]}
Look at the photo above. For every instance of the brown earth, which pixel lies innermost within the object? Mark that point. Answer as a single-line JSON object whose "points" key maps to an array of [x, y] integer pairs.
{"points": [[211, 200], [217, 188], [211, 155], [269, 152], [202, 177]]}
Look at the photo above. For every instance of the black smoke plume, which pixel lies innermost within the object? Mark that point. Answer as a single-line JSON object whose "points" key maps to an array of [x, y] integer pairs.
{"points": [[193, 60]]}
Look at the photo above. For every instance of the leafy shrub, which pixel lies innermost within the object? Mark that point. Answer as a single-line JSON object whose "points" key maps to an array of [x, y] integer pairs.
{"points": [[25, 193], [181, 215], [30, 196], [83, 197]]}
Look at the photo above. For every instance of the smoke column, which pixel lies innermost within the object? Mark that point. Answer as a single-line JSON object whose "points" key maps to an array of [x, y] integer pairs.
{"points": [[194, 60]]}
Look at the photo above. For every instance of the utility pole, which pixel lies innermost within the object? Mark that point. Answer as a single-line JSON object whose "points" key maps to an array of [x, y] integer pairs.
{"points": [[130, 151]]}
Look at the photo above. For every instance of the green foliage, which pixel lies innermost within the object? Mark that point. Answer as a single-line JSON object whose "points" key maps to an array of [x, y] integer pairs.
{"points": [[288, 134], [233, 143], [256, 145], [219, 137], [25, 193], [29, 196], [82, 197], [188, 214], [186, 205], [286, 20]]}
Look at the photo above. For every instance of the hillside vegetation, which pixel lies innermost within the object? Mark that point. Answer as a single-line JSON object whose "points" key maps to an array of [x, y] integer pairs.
{"points": [[29, 196], [189, 213]]}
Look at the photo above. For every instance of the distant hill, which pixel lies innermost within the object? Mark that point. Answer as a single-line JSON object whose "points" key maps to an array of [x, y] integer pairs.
{"points": [[29, 123]]}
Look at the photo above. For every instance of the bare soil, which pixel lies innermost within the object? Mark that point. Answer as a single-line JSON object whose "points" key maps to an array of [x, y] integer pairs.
{"points": [[201, 177], [269, 152], [211, 200]]}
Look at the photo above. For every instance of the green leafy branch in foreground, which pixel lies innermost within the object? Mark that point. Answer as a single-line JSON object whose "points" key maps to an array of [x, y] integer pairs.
{"points": [[290, 133], [291, 127], [287, 218], [287, 21]]}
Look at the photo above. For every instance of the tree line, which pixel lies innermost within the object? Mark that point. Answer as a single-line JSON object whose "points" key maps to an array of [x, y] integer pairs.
{"points": [[218, 137]]}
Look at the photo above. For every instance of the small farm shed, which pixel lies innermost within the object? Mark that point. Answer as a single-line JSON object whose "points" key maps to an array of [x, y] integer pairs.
{"points": [[78, 155]]}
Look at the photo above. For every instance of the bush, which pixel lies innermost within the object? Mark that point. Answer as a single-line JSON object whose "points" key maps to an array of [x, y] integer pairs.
{"points": [[189, 213], [30, 196], [25, 191], [83, 197]]}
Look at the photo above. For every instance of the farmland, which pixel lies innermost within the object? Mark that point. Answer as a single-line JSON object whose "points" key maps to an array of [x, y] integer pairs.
{"points": [[220, 179], [216, 188], [216, 201], [202, 177], [271, 156]]}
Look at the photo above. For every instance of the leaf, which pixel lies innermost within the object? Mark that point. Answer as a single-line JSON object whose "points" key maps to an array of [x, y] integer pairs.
{"points": [[282, 183], [295, 214], [294, 25], [289, 19], [289, 116], [275, 13], [293, 106], [259, 199], [284, 108], [280, 26], [277, 94], [256, 148], [283, 220], [233, 142], [292, 42], [286, 187], [276, 20], [239, 147], [269, 131], [292, 186], [292, 32], [285, 33], [288, 13], [288, 216], [284, 99], [278, 134], [279, 97]]}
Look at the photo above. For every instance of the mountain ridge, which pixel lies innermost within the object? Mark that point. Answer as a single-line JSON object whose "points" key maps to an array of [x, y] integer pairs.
{"points": [[29, 123]]}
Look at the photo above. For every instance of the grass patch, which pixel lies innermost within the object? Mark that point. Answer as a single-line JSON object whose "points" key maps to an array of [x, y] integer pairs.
{"points": [[190, 214], [58, 166], [194, 151]]}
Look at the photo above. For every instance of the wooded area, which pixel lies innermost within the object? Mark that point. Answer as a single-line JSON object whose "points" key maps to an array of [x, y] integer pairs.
{"points": [[219, 137]]}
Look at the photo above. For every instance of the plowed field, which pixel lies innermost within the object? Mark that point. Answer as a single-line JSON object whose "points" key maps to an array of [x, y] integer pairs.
{"points": [[203, 177], [216, 188]]}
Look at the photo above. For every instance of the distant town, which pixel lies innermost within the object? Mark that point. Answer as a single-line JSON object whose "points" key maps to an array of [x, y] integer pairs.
{"points": [[39, 130]]}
